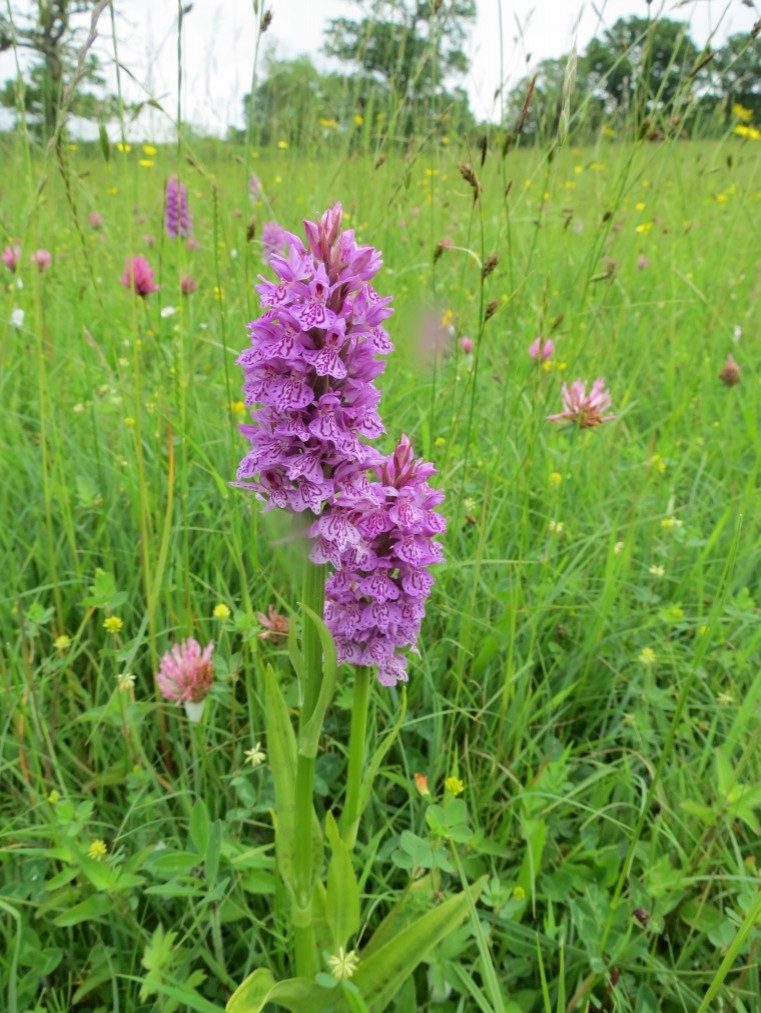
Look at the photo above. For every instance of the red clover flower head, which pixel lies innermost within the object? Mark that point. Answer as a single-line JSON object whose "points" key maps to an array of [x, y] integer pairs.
{"points": [[379, 537], [311, 366], [138, 275], [584, 410], [187, 672], [41, 260], [188, 284], [10, 257]]}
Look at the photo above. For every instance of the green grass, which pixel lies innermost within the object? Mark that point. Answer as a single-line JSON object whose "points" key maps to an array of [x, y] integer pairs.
{"points": [[596, 785]]}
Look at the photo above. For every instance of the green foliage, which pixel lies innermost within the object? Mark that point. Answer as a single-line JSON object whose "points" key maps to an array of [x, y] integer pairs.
{"points": [[609, 794]]}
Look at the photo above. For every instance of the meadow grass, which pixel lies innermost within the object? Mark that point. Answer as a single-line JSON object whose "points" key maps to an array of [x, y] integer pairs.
{"points": [[589, 662]]}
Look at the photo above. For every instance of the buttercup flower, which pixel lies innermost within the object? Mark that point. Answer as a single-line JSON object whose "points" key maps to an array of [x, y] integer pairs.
{"points": [[10, 257], [311, 367], [541, 351], [187, 672], [138, 275], [41, 259], [97, 850], [379, 537], [584, 410]]}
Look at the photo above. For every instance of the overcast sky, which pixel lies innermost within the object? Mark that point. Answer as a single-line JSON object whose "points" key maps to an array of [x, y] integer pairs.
{"points": [[219, 38]]}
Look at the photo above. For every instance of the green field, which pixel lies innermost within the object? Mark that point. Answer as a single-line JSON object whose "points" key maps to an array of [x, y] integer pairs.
{"points": [[590, 656]]}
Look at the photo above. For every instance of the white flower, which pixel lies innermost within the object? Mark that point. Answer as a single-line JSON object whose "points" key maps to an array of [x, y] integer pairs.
{"points": [[618, 548], [17, 318], [168, 311], [556, 527], [255, 756], [342, 964], [233, 253], [737, 333], [19, 283], [125, 681]]}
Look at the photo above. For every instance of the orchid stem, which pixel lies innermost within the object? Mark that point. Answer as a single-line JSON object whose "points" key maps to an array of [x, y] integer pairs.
{"points": [[311, 653], [360, 705]]}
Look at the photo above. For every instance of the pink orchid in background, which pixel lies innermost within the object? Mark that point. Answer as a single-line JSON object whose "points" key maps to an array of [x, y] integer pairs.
{"points": [[138, 275], [467, 344], [186, 674], [254, 187], [193, 244], [188, 284], [11, 256], [582, 409], [95, 220], [41, 259], [541, 351], [149, 239], [643, 263], [275, 625]]}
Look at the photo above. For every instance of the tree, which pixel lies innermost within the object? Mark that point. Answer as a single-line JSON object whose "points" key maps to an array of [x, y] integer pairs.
{"points": [[48, 30], [414, 46], [640, 63], [738, 68]]}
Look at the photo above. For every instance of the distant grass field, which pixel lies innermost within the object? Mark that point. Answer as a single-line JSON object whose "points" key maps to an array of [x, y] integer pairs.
{"points": [[590, 658]]}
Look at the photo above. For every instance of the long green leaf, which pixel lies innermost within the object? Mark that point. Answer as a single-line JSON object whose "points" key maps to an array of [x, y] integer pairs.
{"points": [[342, 899], [309, 735], [380, 753], [296, 994], [281, 746], [380, 976]]}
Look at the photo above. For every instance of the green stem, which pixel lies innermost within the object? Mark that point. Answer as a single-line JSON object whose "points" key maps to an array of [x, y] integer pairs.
{"points": [[311, 653], [357, 736]]}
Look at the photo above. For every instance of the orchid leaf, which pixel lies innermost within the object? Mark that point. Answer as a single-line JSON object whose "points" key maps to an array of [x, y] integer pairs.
{"points": [[296, 994], [309, 735]]}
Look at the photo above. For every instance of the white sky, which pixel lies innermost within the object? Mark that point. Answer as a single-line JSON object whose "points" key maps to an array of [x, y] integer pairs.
{"points": [[219, 38]]}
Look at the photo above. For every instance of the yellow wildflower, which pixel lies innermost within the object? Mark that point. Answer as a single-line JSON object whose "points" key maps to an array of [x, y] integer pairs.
{"points": [[454, 786], [647, 656], [146, 162], [221, 611], [643, 228], [123, 146], [738, 110], [112, 624], [62, 643], [97, 850], [359, 120], [282, 145], [148, 149], [640, 205], [656, 571], [54, 797], [519, 893], [555, 478]]}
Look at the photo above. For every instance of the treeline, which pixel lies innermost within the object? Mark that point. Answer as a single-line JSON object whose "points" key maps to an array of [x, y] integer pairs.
{"points": [[641, 77]]}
